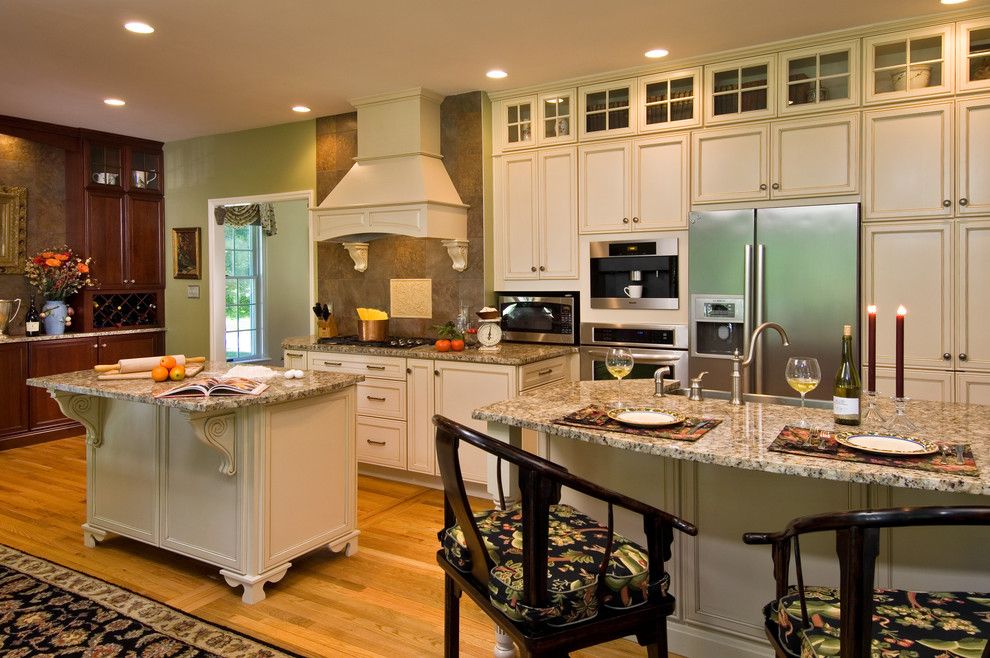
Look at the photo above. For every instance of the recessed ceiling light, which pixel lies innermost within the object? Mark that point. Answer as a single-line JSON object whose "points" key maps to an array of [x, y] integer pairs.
{"points": [[555, 101], [300, 108], [138, 27], [497, 74], [952, 2], [116, 102], [656, 53]]}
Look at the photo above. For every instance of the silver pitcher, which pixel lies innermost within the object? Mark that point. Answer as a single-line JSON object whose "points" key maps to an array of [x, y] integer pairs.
{"points": [[8, 312]]}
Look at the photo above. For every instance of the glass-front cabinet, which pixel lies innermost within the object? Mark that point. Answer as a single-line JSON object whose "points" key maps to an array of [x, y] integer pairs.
{"points": [[670, 100], [819, 78], [106, 165], [609, 109], [557, 111], [145, 171], [516, 123], [740, 90], [909, 64], [974, 54]]}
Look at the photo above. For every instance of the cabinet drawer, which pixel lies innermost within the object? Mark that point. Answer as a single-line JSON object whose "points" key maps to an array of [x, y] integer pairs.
{"points": [[359, 364], [542, 372], [381, 441], [384, 398]]}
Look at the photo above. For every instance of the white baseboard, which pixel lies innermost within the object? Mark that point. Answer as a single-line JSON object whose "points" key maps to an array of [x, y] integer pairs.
{"points": [[694, 642]]}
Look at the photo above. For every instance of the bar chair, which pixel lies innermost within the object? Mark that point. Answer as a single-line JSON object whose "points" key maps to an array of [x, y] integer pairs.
{"points": [[553, 579], [858, 620]]}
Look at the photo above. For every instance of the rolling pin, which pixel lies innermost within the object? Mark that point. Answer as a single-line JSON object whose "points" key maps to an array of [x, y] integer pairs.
{"points": [[145, 364]]}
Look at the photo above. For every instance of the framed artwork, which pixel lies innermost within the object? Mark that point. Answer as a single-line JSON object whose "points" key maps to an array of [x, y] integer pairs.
{"points": [[186, 256]]}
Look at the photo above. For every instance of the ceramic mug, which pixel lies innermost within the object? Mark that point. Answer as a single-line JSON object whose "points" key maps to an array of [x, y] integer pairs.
{"points": [[105, 178], [635, 291], [144, 178]]}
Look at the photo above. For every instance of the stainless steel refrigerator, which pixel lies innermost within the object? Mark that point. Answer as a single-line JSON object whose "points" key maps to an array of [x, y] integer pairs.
{"points": [[797, 266]]}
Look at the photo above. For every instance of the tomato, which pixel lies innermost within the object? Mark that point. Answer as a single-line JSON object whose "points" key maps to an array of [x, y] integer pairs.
{"points": [[457, 345], [472, 330], [442, 345]]}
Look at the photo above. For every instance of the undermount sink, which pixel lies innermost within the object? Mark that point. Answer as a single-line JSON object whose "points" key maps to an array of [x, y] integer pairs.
{"points": [[756, 397]]}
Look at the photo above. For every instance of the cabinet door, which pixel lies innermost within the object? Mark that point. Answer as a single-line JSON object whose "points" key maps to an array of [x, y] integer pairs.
{"points": [[910, 263], [932, 385], [558, 235], [973, 59], [908, 161], [557, 110], [516, 209], [421, 453], [129, 346], [14, 401], [973, 158], [144, 231], [670, 100], [608, 109], [604, 187], [823, 77], [514, 122], [660, 183], [815, 157], [910, 64], [52, 357], [105, 240], [972, 299], [740, 90], [730, 164], [972, 388], [460, 389]]}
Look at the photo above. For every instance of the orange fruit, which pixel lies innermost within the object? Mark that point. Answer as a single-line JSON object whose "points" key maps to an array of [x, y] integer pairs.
{"points": [[168, 362], [178, 373], [159, 373]]}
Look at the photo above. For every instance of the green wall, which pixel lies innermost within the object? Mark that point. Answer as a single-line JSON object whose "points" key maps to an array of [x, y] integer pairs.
{"points": [[287, 300], [263, 161]]}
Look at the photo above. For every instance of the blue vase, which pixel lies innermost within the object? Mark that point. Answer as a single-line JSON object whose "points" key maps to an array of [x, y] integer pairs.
{"points": [[55, 313]]}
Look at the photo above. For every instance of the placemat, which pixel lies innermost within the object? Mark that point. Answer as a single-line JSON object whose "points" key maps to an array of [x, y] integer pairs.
{"points": [[595, 416], [799, 441]]}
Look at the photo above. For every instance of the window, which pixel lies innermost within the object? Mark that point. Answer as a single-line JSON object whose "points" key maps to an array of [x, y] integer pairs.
{"points": [[242, 252]]}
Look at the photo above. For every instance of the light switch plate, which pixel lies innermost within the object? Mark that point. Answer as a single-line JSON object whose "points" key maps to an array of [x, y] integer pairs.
{"points": [[192, 291], [411, 298]]}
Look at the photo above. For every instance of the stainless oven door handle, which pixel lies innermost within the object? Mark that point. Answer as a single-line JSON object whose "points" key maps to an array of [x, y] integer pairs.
{"points": [[638, 356]]}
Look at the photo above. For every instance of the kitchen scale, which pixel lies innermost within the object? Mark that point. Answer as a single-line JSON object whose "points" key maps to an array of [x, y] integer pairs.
{"points": [[490, 335]]}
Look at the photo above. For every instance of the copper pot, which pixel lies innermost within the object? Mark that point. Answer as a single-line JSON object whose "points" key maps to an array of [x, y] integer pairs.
{"points": [[372, 330]]}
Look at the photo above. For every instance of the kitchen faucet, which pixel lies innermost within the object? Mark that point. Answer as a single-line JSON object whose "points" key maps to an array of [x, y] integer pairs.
{"points": [[658, 380], [738, 363]]}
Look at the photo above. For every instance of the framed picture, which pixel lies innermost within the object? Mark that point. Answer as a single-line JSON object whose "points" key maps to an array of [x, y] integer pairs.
{"points": [[186, 256]]}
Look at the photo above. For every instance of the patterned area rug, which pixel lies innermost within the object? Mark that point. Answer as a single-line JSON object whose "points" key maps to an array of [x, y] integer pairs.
{"points": [[47, 609]]}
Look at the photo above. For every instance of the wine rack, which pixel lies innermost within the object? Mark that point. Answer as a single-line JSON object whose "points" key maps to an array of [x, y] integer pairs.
{"points": [[125, 309]]}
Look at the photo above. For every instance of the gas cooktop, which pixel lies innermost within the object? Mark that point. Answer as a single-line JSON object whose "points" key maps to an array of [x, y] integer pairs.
{"points": [[394, 342]]}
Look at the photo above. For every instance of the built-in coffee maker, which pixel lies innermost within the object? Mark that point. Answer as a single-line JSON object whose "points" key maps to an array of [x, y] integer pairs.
{"points": [[634, 274]]}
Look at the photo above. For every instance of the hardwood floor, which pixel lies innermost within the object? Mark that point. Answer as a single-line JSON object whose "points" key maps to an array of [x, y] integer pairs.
{"points": [[384, 601]]}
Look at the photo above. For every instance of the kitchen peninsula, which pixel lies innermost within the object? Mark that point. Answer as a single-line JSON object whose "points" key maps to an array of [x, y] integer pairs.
{"points": [[728, 482], [219, 479]]}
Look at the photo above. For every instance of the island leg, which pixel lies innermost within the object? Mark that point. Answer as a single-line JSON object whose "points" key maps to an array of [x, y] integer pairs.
{"points": [[254, 585], [348, 544], [92, 535]]}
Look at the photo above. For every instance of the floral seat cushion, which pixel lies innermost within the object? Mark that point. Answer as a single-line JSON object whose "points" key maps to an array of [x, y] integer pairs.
{"points": [[905, 624], [576, 549]]}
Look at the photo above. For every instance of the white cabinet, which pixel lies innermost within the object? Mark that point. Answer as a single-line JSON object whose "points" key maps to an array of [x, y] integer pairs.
{"points": [[730, 164], [972, 345], [514, 120], [908, 162], [740, 90], [634, 185], [536, 215], [819, 78], [670, 100], [909, 64], [973, 55], [295, 359], [557, 113], [608, 109], [972, 388], [973, 157], [933, 385]]}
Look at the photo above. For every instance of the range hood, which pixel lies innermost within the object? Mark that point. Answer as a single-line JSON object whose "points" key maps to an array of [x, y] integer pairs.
{"points": [[398, 184]]}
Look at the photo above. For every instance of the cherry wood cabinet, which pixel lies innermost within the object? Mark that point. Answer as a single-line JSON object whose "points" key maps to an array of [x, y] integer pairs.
{"points": [[51, 357], [14, 401]]}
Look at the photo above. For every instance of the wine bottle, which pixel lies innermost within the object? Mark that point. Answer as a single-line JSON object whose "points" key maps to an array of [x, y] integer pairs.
{"points": [[32, 321], [845, 393]]}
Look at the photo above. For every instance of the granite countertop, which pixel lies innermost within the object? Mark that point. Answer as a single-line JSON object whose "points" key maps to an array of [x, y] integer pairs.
{"points": [[143, 390], [89, 334], [510, 354], [742, 439]]}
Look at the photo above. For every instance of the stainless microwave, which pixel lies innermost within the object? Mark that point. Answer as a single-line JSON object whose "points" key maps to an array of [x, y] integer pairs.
{"points": [[539, 317]]}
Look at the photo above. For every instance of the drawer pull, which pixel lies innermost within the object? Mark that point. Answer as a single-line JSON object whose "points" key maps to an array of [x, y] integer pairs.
{"points": [[376, 398], [294, 354], [375, 443], [332, 363], [545, 372], [375, 367]]}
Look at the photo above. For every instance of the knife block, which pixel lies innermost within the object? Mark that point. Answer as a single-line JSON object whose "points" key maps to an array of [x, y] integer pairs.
{"points": [[326, 328]]}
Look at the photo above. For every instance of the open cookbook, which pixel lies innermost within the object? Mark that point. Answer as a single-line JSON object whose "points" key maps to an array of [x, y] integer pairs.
{"points": [[216, 386]]}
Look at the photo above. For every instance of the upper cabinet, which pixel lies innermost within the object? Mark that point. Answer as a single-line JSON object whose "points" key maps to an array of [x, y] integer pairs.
{"points": [[670, 100], [557, 110], [973, 157], [514, 121], [740, 90], [910, 64], [819, 78], [974, 55], [609, 109]]}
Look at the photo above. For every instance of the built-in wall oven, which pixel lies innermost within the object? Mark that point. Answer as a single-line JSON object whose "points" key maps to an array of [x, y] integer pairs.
{"points": [[539, 317], [651, 345], [634, 274]]}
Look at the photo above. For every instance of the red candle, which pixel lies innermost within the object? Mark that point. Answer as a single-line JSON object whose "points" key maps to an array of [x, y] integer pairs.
{"points": [[899, 355], [871, 346]]}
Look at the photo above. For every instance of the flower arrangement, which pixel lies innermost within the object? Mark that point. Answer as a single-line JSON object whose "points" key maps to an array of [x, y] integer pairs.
{"points": [[58, 273]]}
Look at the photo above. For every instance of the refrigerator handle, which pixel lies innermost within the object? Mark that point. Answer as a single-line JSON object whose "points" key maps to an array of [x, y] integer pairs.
{"points": [[747, 293], [759, 295]]}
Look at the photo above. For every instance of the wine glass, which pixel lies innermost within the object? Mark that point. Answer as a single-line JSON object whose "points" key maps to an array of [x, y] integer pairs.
{"points": [[803, 375], [619, 362]]}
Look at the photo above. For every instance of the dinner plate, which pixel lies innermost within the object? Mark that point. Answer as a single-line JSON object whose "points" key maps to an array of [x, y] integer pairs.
{"points": [[886, 444], [645, 417]]}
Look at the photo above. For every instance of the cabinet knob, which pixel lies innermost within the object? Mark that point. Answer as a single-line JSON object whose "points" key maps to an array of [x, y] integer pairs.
{"points": [[532, 269], [96, 346], [947, 203], [625, 220], [408, 371], [436, 373], [946, 356], [964, 201], [103, 345], [635, 220], [543, 269], [776, 186], [763, 186], [963, 356]]}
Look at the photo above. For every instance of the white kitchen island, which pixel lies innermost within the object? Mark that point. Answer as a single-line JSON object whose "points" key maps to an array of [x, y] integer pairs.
{"points": [[246, 483]]}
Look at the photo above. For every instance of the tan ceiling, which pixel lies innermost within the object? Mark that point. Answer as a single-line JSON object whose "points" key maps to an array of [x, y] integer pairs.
{"points": [[216, 66]]}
